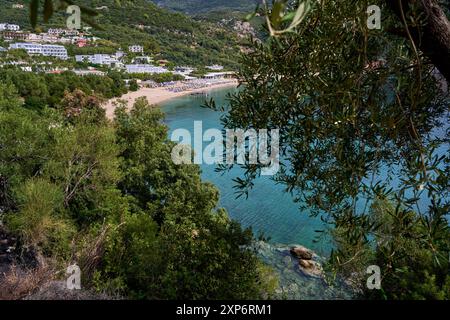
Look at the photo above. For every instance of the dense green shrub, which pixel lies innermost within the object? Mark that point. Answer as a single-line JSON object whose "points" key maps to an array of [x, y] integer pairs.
{"points": [[41, 219], [40, 90], [107, 195]]}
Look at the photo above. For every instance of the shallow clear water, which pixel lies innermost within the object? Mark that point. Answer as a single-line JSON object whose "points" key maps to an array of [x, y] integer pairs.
{"points": [[268, 210]]}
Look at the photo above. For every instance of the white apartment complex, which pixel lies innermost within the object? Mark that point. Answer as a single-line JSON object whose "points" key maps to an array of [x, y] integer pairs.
{"points": [[9, 27], [43, 37], [144, 68], [215, 67], [142, 60], [218, 75], [42, 49], [184, 71], [83, 73], [103, 59], [60, 32], [56, 31], [136, 49]]}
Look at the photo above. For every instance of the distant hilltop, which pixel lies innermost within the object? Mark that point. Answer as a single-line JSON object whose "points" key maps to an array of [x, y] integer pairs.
{"points": [[203, 6]]}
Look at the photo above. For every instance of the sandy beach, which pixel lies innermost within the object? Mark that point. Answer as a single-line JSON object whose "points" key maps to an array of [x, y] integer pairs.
{"points": [[156, 96]]}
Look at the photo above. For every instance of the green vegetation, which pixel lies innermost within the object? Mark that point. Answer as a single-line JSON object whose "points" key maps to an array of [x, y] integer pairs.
{"points": [[411, 270], [133, 85], [172, 36], [351, 103], [73, 50], [202, 6], [40, 90], [78, 188]]}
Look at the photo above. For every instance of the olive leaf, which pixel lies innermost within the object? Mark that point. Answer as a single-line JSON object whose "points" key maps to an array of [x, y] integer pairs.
{"points": [[277, 13], [278, 16], [252, 15]]}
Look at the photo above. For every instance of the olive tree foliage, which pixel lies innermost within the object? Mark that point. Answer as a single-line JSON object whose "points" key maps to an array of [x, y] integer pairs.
{"points": [[363, 117]]}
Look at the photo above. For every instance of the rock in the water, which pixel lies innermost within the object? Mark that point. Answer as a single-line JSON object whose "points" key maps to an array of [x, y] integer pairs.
{"points": [[311, 268], [307, 264], [301, 252], [295, 281]]}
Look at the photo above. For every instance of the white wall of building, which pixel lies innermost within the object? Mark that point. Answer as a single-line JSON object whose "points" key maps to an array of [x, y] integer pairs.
{"points": [[144, 68], [136, 49], [9, 27], [42, 49], [103, 59]]}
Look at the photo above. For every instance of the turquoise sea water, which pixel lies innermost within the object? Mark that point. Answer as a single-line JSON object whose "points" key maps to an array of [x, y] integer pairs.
{"points": [[268, 210]]}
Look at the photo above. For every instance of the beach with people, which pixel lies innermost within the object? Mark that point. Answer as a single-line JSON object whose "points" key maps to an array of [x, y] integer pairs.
{"points": [[158, 93]]}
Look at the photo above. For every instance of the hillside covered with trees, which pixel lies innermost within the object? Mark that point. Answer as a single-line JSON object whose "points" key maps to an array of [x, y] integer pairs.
{"points": [[202, 6], [172, 36]]}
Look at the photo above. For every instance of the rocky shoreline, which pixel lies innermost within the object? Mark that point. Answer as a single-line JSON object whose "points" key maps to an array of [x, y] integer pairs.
{"points": [[300, 272]]}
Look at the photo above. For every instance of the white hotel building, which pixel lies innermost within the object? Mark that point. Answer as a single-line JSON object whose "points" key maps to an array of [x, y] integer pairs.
{"points": [[136, 49], [9, 27], [102, 59], [48, 50], [144, 68]]}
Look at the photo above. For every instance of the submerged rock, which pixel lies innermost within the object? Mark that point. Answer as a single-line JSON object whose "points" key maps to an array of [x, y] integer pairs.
{"points": [[307, 261], [301, 252], [311, 268], [300, 279], [306, 264]]}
